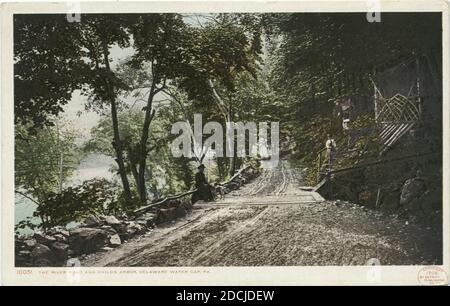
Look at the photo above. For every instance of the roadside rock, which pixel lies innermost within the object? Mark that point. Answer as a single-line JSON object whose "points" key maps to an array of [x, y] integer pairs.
{"points": [[44, 239], [179, 212], [148, 219], [42, 256], [87, 240], [172, 203], [187, 206], [165, 214], [109, 229], [59, 230], [106, 249], [232, 185], [132, 229], [61, 238], [61, 250], [92, 221], [111, 220], [65, 233], [30, 243], [115, 241], [411, 190], [25, 253], [73, 262], [120, 228], [141, 222]]}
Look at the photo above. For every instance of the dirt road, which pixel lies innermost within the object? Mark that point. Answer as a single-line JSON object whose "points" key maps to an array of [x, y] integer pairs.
{"points": [[274, 221]]}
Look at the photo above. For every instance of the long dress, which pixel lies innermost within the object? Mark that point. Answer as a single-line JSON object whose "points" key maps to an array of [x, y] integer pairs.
{"points": [[204, 190]]}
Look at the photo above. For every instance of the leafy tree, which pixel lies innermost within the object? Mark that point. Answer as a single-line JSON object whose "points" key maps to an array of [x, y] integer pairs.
{"points": [[47, 67], [159, 43], [164, 174], [320, 58], [44, 160], [96, 196], [97, 34], [55, 57], [168, 52], [214, 71]]}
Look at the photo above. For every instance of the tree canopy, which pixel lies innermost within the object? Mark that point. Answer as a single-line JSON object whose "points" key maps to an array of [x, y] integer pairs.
{"points": [[286, 67]]}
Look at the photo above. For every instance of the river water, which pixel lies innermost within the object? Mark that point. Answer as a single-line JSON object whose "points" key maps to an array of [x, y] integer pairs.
{"points": [[93, 166]]}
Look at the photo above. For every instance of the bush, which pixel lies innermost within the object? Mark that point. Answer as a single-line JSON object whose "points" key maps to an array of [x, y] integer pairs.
{"points": [[96, 196]]}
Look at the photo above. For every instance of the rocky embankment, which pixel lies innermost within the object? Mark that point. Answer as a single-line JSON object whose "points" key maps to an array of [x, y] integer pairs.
{"points": [[59, 246]]}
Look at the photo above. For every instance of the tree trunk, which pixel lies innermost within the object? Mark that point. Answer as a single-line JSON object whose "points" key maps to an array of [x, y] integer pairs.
{"points": [[149, 114], [135, 175], [117, 144], [227, 113], [232, 167]]}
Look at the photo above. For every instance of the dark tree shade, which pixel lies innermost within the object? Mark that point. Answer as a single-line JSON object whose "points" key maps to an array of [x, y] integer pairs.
{"points": [[349, 41], [48, 61]]}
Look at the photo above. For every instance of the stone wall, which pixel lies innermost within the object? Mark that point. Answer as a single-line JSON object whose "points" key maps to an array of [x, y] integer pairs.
{"points": [[98, 233]]}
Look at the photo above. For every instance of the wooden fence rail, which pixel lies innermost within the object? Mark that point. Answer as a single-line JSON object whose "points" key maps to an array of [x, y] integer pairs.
{"points": [[146, 208]]}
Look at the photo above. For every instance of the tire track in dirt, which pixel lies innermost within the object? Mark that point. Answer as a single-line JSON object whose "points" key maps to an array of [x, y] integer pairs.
{"points": [[236, 233], [189, 242], [162, 237], [280, 233]]}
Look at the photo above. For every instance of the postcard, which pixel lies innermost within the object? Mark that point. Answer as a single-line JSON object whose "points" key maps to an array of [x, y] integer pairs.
{"points": [[225, 143]]}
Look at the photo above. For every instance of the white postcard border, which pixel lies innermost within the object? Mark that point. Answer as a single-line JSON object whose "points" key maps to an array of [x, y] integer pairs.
{"points": [[301, 275]]}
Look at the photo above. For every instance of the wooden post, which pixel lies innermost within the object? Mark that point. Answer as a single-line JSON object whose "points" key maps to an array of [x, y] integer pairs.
{"points": [[60, 159], [330, 161], [60, 172], [330, 190], [375, 95], [419, 100], [378, 198], [319, 166]]}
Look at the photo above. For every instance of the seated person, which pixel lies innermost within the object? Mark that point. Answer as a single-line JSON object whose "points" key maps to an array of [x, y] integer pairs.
{"points": [[204, 191]]}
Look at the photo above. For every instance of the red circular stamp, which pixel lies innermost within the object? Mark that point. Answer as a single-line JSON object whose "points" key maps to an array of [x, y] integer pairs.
{"points": [[432, 276]]}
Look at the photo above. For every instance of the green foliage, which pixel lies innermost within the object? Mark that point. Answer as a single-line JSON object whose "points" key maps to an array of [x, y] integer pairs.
{"points": [[318, 59], [166, 50], [48, 67], [96, 196], [209, 59], [130, 124], [98, 32], [160, 40], [74, 204], [43, 159], [165, 174], [319, 42], [290, 68]]}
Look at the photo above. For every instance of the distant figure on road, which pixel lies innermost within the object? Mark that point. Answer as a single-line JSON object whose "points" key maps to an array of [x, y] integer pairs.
{"points": [[204, 191], [413, 188], [331, 149]]}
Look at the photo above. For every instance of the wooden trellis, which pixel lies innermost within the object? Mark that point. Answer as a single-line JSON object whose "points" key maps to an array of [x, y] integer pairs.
{"points": [[396, 115], [397, 109]]}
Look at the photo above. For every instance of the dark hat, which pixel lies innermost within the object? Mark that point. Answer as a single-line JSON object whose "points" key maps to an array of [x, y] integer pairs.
{"points": [[201, 166]]}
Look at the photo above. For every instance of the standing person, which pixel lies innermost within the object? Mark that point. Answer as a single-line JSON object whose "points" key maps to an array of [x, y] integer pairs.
{"points": [[331, 149], [203, 188]]}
